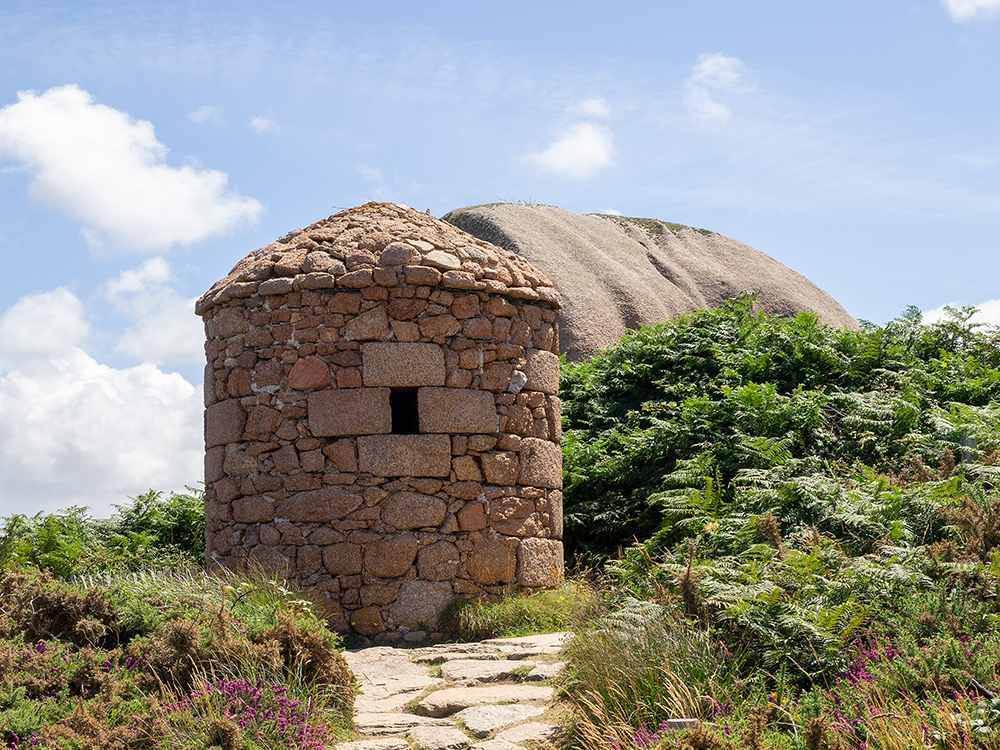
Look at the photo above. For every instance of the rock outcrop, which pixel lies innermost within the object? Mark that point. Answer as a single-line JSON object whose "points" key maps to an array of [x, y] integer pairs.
{"points": [[617, 273]]}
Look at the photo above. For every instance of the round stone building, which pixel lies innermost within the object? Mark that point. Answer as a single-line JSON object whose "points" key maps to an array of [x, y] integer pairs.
{"points": [[382, 422]]}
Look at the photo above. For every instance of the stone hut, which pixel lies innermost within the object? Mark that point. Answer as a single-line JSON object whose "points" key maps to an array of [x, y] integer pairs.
{"points": [[382, 422]]}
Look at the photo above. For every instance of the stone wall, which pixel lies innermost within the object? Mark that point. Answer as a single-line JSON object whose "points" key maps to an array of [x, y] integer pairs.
{"points": [[304, 474]]}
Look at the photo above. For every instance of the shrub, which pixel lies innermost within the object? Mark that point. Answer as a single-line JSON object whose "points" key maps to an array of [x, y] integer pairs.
{"points": [[166, 656], [151, 532], [235, 714], [732, 391]]}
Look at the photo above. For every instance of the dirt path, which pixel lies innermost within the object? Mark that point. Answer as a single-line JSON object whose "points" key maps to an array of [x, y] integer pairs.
{"points": [[494, 695]]}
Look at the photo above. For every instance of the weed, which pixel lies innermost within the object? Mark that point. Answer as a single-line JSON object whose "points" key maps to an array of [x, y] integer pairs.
{"points": [[521, 672]]}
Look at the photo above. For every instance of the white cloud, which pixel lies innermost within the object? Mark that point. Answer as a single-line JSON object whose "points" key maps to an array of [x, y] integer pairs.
{"points": [[206, 114], [718, 71], [39, 324], [594, 108], [265, 125], [78, 432], [165, 328], [108, 170], [702, 107], [713, 75], [967, 10], [612, 212], [169, 333], [369, 174], [585, 149], [153, 272], [989, 313]]}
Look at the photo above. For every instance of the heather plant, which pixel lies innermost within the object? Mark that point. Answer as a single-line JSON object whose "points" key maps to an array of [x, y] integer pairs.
{"points": [[236, 714], [167, 656]]}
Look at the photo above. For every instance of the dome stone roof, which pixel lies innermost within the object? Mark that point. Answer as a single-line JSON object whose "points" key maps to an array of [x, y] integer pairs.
{"points": [[343, 250]]}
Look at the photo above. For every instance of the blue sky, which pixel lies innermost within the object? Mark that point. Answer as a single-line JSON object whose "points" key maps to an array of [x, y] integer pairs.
{"points": [[146, 147]]}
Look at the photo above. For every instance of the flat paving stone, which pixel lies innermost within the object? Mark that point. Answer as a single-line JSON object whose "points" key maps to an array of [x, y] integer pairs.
{"points": [[495, 744], [532, 645], [388, 680], [447, 651], [382, 743], [439, 738], [546, 671], [393, 704], [533, 730], [371, 654], [482, 721], [473, 672], [381, 724], [384, 668], [451, 700]]}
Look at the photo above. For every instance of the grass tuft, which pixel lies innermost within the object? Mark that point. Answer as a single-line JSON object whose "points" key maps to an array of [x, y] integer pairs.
{"points": [[514, 614]]}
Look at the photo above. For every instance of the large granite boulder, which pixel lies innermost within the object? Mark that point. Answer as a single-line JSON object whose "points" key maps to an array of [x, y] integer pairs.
{"points": [[616, 272]]}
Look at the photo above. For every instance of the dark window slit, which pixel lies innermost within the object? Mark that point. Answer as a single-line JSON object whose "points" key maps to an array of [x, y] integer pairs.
{"points": [[405, 416]]}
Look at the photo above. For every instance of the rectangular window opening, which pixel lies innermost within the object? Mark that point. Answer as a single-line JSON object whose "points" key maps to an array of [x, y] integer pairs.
{"points": [[405, 415]]}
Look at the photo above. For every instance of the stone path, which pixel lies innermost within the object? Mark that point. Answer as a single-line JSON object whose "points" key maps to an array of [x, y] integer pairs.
{"points": [[483, 696]]}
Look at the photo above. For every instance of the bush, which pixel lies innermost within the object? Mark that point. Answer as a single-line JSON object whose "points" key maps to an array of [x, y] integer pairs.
{"points": [[717, 395], [167, 657], [801, 531], [151, 532]]}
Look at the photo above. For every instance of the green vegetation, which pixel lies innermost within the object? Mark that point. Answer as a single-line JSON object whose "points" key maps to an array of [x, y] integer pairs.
{"points": [[152, 532], [797, 531], [800, 532], [161, 654], [511, 614]]}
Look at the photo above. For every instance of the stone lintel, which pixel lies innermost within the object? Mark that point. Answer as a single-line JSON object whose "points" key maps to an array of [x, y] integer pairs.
{"points": [[405, 455], [457, 410], [402, 365], [349, 411]]}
